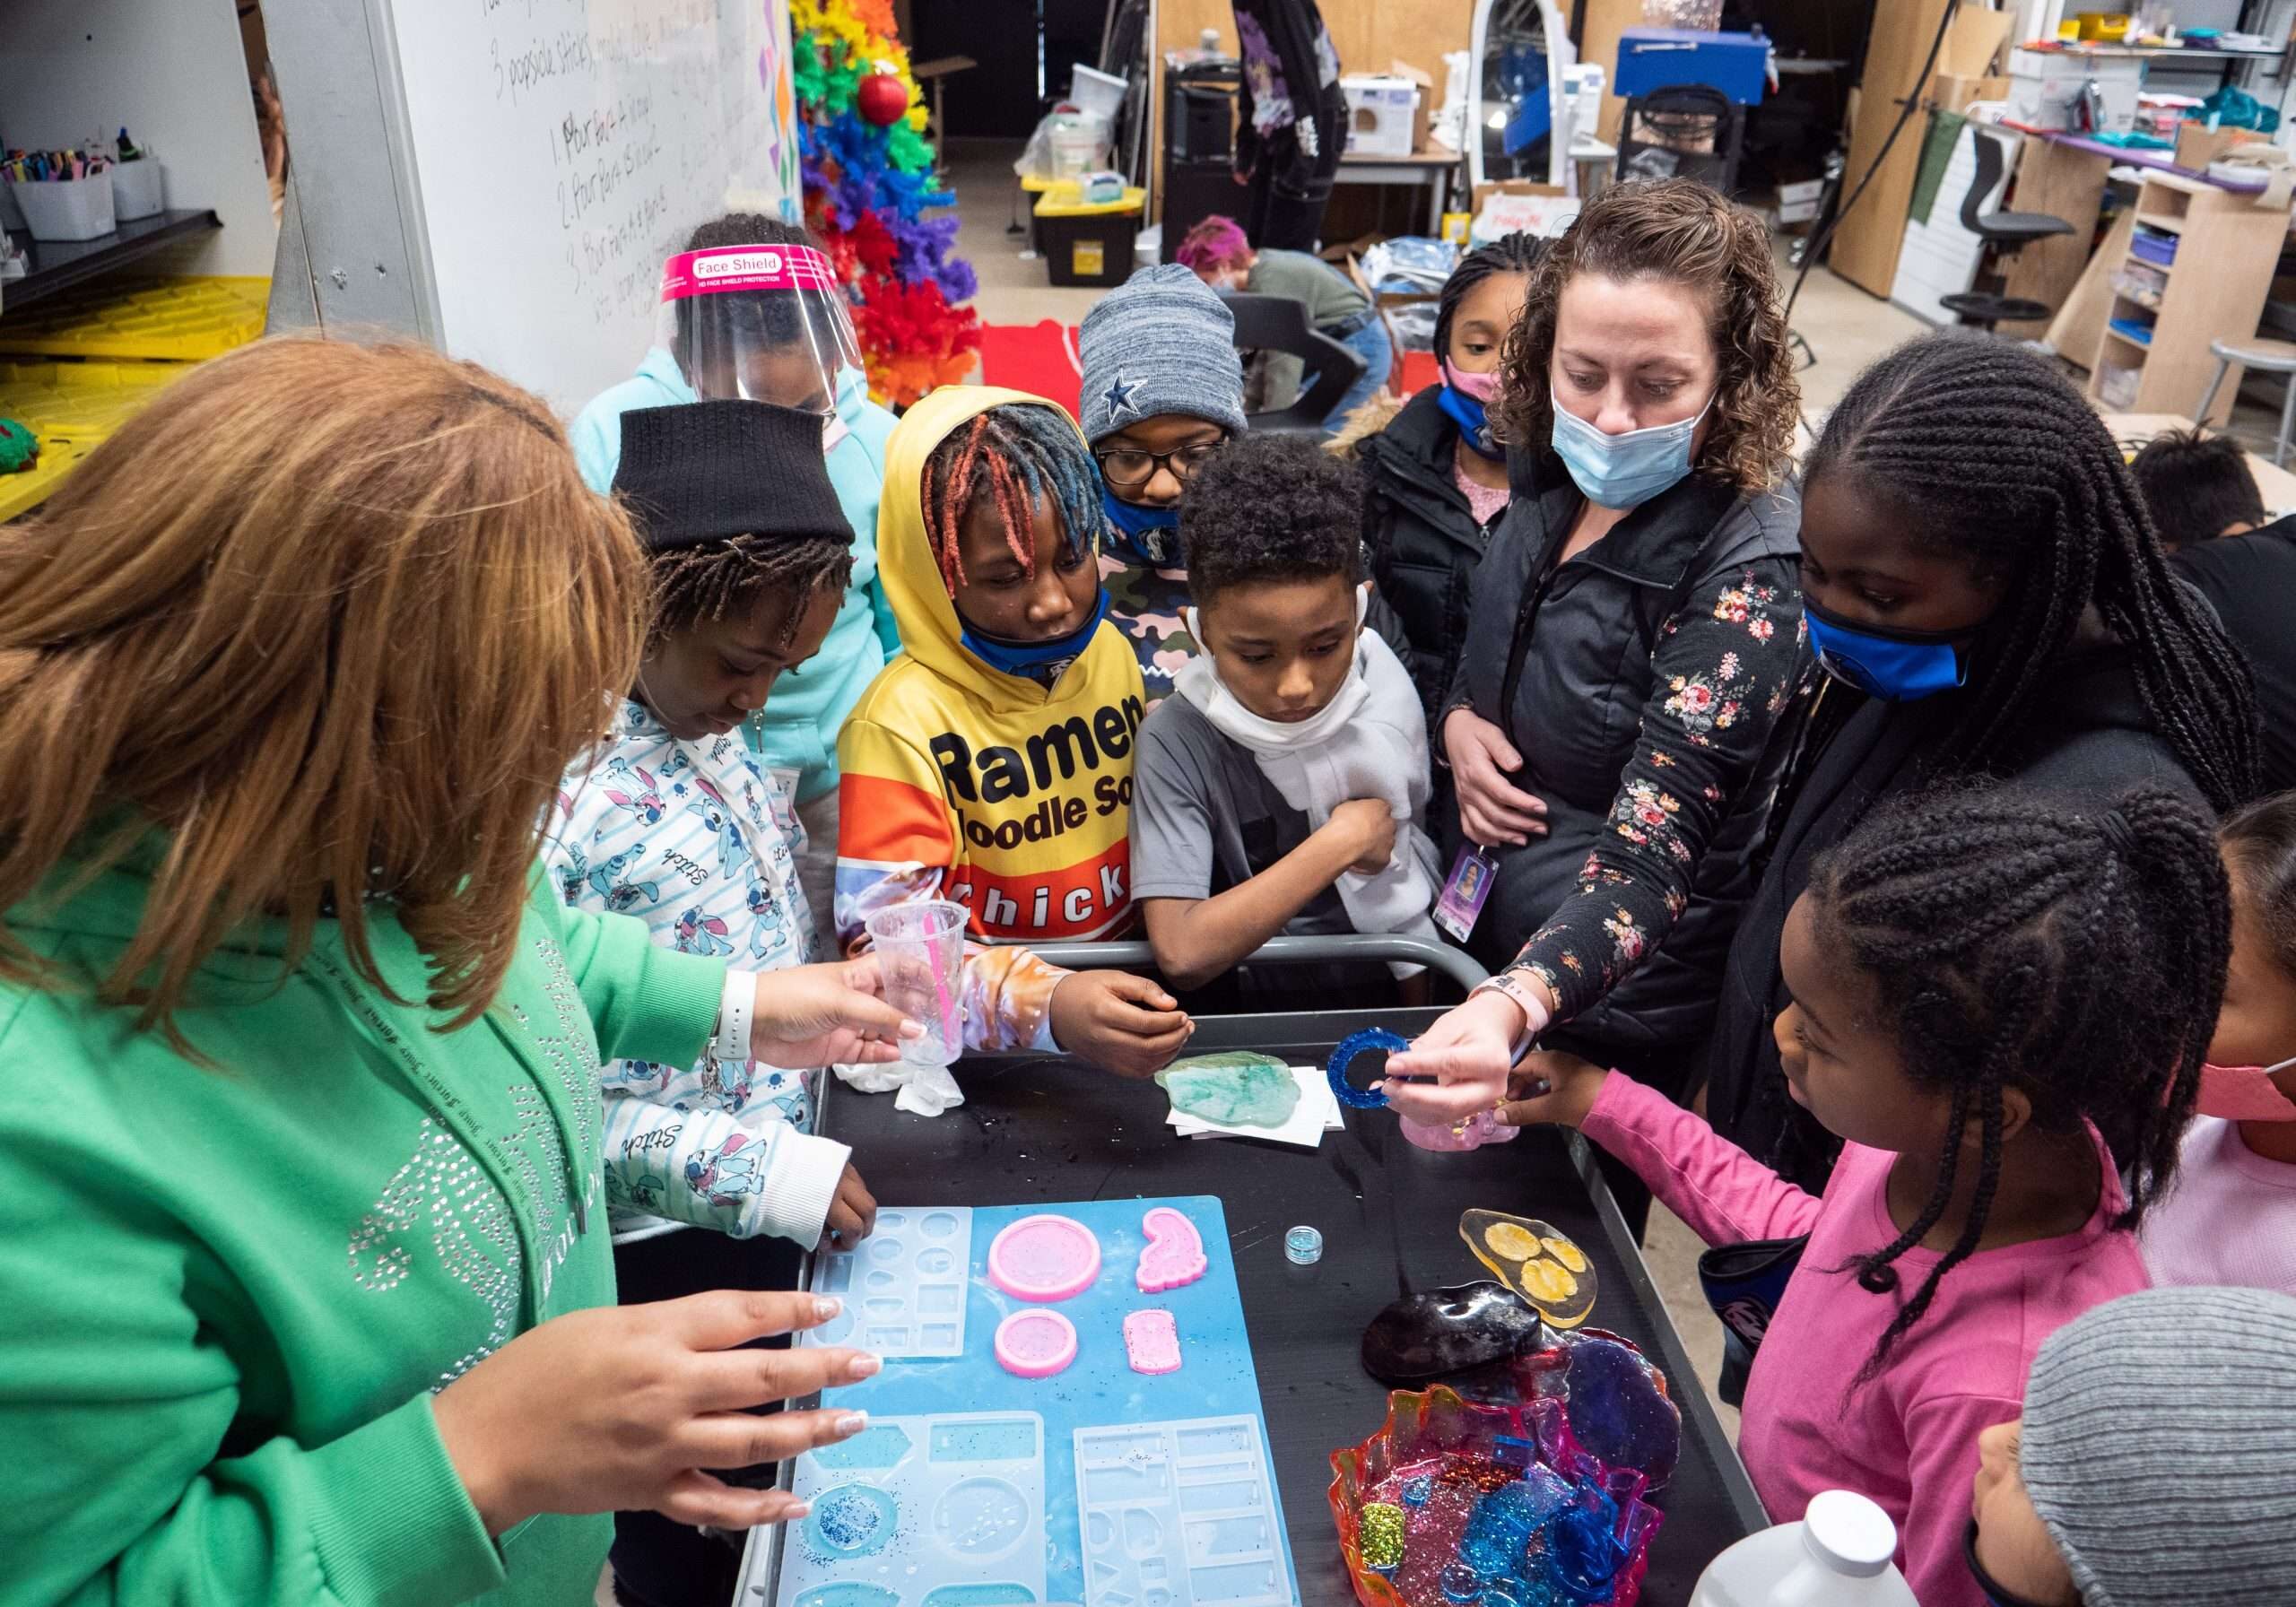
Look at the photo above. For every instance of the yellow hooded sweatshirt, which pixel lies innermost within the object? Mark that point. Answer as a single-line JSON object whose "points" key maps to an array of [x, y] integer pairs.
{"points": [[962, 782]]}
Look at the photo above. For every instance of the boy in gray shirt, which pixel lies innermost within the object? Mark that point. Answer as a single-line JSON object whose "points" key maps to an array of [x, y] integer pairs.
{"points": [[1288, 684]]}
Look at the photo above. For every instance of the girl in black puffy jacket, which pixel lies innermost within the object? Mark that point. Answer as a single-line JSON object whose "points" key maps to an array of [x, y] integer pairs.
{"points": [[1436, 481]]}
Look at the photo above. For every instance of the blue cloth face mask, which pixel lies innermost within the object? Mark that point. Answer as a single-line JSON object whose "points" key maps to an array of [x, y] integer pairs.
{"points": [[1474, 426], [1622, 471], [1033, 661], [1897, 666], [1465, 402], [1144, 535]]}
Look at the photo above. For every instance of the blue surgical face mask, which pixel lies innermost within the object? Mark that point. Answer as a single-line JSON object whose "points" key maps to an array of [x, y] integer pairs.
{"points": [[1033, 661], [1897, 666], [1622, 471], [1144, 535]]}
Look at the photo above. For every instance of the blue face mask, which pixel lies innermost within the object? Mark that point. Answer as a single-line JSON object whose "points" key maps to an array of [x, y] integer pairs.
{"points": [[1474, 426], [1144, 535], [1033, 661], [1622, 471], [1897, 666]]}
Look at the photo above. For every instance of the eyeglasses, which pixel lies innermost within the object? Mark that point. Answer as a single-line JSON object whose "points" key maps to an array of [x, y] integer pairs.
{"points": [[1128, 468]]}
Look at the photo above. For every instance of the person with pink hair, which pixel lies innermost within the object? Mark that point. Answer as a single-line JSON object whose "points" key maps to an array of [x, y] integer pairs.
{"points": [[1219, 252]]}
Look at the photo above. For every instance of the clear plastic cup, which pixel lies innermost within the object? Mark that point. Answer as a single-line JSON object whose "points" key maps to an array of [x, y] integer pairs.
{"points": [[920, 952]]}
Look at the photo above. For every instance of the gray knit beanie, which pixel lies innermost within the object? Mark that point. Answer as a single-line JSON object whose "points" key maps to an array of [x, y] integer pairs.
{"points": [[1162, 342], [2159, 1448]]}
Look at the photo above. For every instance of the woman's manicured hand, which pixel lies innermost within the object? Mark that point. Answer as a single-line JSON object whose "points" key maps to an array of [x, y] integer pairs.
{"points": [[1492, 810], [818, 1014], [1468, 1051], [628, 1408]]}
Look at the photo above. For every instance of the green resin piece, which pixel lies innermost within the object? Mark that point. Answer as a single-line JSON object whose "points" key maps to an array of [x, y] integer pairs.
{"points": [[1238, 1089]]}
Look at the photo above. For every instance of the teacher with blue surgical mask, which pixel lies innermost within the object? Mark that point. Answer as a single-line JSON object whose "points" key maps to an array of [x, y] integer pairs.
{"points": [[1632, 638]]}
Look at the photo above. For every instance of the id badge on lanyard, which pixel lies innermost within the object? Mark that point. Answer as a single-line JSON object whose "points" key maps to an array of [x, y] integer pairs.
{"points": [[1473, 874]]}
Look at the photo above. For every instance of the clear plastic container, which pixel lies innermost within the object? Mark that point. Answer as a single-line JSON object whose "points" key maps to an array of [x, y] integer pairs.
{"points": [[1838, 1556], [921, 949]]}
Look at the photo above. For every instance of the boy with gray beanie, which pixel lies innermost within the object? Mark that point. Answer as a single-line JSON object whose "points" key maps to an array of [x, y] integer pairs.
{"points": [[2155, 1464], [1162, 390]]}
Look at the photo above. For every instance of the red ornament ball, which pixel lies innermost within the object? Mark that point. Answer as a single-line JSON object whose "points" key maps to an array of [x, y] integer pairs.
{"points": [[882, 99]]}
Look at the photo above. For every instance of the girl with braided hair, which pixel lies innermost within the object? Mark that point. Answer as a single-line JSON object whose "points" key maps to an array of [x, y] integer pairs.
{"points": [[1987, 596], [2000, 1009], [991, 763]]}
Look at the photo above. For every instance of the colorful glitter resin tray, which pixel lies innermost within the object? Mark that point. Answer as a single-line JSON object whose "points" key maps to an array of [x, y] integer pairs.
{"points": [[1180, 1515], [1491, 1507], [945, 1511], [903, 1287]]}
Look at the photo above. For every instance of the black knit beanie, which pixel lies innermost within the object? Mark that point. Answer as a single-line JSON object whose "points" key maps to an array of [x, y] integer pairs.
{"points": [[703, 472]]}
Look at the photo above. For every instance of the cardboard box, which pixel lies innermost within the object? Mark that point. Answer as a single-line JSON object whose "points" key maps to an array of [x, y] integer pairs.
{"points": [[2045, 84], [1520, 205], [1387, 112], [1958, 91], [2197, 144], [1798, 202]]}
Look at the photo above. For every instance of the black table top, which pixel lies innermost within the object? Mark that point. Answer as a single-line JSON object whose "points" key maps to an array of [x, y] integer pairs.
{"points": [[1037, 1129]]}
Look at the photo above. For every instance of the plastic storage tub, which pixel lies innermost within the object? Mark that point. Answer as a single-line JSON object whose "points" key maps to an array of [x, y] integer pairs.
{"points": [[66, 209], [1088, 244]]}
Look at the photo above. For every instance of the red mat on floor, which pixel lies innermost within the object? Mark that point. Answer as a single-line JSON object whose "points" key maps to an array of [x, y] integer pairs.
{"points": [[1036, 358], [1041, 360]]}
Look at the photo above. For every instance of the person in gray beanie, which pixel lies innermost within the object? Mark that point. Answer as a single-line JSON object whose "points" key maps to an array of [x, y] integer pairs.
{"points": [[2155, 1464], [1162, 390]]}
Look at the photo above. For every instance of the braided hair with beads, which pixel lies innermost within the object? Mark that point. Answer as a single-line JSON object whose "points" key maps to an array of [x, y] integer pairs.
{"points": [[1017, 455], [2077, 957], [2004, 463]]}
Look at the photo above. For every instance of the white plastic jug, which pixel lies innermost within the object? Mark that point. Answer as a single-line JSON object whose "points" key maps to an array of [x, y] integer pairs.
{"points": [[1838, 1556]]}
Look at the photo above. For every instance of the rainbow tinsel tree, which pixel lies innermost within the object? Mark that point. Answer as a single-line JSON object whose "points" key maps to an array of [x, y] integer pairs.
{"points": [[872, 195]]}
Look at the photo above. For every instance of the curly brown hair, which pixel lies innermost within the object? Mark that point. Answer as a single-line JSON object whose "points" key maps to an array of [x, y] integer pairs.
{"points": [[1678, 229]]}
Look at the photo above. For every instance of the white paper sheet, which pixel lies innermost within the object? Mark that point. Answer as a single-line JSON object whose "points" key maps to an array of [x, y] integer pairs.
{"points": [[1317, 1114]]}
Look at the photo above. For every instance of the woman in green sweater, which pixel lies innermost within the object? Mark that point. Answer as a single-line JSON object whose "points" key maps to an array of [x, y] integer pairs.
{"points": [[308, 1296]]}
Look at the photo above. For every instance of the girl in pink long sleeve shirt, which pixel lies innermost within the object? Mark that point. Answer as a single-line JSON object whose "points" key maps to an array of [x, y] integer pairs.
{"points": [[1993, 1001]]}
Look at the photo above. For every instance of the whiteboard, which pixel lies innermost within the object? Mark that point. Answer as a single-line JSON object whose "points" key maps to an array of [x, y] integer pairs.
{"points": [[563, 148]]}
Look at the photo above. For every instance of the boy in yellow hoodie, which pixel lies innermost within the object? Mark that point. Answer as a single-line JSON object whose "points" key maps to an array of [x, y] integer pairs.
{"points": [[991, 763]]}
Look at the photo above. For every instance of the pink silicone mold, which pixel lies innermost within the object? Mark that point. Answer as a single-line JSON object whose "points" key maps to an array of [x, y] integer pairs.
{"points": [[1151, 1342], [1037, 1344], [1046, 1257], [1175, 1253]]}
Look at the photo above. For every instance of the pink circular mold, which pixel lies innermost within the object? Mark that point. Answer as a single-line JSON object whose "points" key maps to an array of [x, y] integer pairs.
{"points": [[1035, 1345], [1044, 1257]]}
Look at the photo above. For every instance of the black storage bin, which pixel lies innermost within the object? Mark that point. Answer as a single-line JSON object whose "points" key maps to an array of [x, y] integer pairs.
{"points": [[1095, 248]]}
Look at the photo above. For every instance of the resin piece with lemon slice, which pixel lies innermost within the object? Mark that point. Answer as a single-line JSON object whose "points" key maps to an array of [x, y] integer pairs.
{"points": [[1551, 1273]]}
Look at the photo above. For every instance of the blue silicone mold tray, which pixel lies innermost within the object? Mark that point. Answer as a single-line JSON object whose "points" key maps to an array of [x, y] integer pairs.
{"points": [[945, 1511], [903, 1287], [1180, 1515]]}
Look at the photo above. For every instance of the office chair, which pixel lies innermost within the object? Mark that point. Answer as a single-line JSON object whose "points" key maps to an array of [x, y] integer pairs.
{"points": [[1279, 323], [2004, 233]]}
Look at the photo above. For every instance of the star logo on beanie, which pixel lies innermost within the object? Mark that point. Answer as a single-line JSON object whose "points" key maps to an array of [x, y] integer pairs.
{"points": [[1118, 397]]}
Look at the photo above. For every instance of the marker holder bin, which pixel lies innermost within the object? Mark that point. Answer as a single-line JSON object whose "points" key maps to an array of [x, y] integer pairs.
{"points": [[139, 189], [66, 209]]}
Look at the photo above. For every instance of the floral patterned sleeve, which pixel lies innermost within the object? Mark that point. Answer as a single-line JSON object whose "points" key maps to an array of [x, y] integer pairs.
{"points": [[1724, 667]]}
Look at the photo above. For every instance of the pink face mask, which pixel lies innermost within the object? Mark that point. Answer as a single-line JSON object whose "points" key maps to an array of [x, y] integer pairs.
{"points": [[2245, 1093], [1483, 387]]}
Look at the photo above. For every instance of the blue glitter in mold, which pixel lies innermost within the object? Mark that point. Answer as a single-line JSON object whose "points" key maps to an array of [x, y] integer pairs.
{"points": [[1349, 1046], [1417, 1489], [852, 1520]]}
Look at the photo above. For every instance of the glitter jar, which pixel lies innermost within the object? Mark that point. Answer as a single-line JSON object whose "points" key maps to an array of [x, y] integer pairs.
{"points": [[1303, 1245]]}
